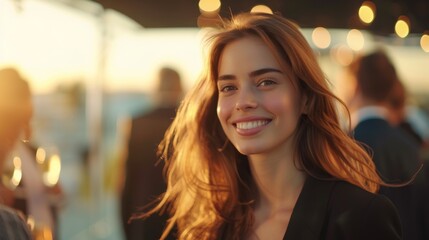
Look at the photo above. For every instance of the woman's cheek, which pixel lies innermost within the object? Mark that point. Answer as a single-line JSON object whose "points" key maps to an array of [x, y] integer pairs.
{"points": [[223, 111]]}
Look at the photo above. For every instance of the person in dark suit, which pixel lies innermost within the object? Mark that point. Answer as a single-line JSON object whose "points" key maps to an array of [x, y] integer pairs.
{"points": [[395, 152], [256, 150], [143, 178], [398, 102]]}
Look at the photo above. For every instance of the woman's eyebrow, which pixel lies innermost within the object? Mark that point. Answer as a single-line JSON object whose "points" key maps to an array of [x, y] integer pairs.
{"points": [[263, 71], [226, 77], [252, 74]]}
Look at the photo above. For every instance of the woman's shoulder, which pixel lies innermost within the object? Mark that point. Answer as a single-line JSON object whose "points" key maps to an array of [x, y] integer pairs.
{"points": [[365, 214], [348, 197], [348, 193]]}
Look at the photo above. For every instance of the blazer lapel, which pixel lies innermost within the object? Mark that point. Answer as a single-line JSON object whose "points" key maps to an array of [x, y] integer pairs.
{"points": [[310, 211]]}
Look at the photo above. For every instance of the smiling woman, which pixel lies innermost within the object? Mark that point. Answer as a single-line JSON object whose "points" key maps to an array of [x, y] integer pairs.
{"points": [[257, 141], [258, 105]]}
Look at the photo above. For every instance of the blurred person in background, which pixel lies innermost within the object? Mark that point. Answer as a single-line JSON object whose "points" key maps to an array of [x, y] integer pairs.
{"points": [[400, 116], [27, 194], [12, 122], [378, 106], [142, 176], [398, 103]]}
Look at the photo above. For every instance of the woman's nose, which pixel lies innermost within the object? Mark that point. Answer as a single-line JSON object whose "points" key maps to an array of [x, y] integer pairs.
{"points": [[246, 100]]}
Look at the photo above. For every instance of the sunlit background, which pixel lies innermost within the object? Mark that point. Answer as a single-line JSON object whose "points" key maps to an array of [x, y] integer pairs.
{"points": [[91, 67]]}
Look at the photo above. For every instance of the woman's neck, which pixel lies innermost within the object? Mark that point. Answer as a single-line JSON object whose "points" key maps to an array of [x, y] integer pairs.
{"points": [[278, 181]]}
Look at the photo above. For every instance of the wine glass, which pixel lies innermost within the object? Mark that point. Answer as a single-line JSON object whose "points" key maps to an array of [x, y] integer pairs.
{"points": [[49, 161], [12, 172]]}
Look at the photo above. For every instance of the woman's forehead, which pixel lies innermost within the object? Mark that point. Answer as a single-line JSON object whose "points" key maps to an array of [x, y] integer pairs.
{"points": [[249, 52]]}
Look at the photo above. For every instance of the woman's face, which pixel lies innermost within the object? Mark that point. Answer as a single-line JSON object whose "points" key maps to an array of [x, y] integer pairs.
{"points": [[258, 105]]}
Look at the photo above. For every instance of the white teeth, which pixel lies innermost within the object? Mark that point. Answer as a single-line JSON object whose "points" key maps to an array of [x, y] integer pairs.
{"points": [[250, 125]]}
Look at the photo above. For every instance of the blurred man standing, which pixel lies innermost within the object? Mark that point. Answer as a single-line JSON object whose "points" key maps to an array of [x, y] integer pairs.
{"points": [[143, 178], [395, 153]]}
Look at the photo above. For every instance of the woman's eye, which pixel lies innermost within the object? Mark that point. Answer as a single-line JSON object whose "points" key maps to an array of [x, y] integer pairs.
{"points": [[266, 82], [227, 88]]}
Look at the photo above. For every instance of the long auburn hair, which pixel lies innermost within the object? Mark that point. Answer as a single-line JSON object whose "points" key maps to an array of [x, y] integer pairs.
{"points": [[209, 185]]}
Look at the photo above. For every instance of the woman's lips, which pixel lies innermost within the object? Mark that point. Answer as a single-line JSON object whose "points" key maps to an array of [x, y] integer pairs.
{"points": [[248, 128]]}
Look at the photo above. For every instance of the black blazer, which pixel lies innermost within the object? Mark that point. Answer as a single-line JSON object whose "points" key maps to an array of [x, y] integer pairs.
{"points": [[339, 210]]}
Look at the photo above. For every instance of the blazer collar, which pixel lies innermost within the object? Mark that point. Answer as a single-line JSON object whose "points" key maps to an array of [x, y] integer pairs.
{"points": [[310, 211]]}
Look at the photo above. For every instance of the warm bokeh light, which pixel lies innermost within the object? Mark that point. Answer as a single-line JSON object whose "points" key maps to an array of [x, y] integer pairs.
{"points": [[367, 12], [321, 37], [17, 173], [50, 164], [40, 155], [51, 176], [424, 42], [209, 7], [402, 28], [12, 174], [355, 40], [31, 222], [262, 9], [342, 54]]}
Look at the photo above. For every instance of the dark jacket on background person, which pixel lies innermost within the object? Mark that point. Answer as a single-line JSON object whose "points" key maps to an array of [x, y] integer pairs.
{"points": [[143, 176], [396, 157]]}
